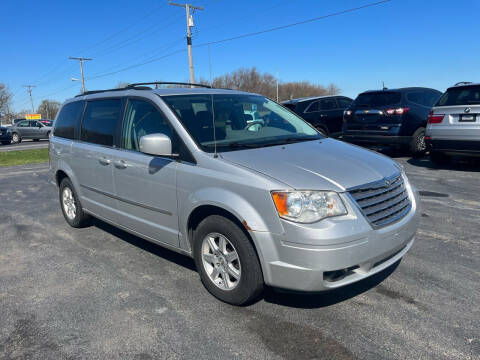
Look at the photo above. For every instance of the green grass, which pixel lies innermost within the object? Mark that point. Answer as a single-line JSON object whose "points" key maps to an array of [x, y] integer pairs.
{"points": [[22, 157]]}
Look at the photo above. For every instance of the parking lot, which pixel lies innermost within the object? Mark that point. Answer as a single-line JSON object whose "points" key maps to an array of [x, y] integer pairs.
{"points": [[101, 293]]}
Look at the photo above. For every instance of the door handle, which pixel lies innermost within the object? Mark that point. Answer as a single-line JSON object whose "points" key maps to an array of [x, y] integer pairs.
{"points": [[120, 164], [104, 161], [323, 115]]}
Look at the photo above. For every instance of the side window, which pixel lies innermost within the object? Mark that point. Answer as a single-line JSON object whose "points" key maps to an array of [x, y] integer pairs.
{"points": [[100, 120], [328, 104], [431, 98], [24, 123], [343, 103], [312, 108], [34, 123], [142, 118], [68, 119]]}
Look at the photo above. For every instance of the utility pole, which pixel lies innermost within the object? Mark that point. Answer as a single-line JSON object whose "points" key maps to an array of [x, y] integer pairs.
{"points": [[29, 89], [81, 60], [189, 34]]}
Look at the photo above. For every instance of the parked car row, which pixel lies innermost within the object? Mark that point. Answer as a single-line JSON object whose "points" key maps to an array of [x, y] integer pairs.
{"points": [[416, 119], [25, 129]]}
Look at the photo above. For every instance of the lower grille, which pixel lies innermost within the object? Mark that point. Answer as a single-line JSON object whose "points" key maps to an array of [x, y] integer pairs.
{"points": [[383, 202]]}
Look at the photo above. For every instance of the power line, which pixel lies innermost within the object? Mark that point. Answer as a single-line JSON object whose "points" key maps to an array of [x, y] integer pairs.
{"points": [[295, 24], [338, 13]]}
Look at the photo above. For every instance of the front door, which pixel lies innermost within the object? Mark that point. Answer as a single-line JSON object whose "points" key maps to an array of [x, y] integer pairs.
{"points": [[145, 184], [93, 155]]}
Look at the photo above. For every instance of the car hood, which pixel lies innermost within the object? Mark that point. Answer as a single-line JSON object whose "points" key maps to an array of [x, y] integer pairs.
{"points": [[325, 164]]}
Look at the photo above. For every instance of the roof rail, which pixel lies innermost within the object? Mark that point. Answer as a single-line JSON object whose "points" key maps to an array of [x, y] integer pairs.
{"points": [[134, 85], [463, 83], [98, 91]]}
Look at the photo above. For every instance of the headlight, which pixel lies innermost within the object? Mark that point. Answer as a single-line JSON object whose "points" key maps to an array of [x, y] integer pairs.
{"points": [[308, 206]]}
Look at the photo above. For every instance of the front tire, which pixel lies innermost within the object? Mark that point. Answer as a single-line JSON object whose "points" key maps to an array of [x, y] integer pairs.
{"points": [[418, 147], [16, 139], [226, 261], [71, 208]]}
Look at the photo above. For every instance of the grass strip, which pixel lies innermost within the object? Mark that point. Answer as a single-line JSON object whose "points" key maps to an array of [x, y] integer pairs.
{"points": [[22, 157]]}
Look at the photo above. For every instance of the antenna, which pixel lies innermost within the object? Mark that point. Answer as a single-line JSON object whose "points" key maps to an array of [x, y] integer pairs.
{"points": [[215, 155], [383, 85]]}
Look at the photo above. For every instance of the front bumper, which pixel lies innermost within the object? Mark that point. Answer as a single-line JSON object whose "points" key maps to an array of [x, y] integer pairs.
{"points": [[339, 251]]}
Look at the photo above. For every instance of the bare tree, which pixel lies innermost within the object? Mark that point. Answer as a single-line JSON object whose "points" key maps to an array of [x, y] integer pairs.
{"points": [[48, 109], [252, 81], [5, 97]]}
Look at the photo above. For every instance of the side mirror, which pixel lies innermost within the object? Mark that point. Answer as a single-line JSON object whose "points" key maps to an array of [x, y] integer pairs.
{"points": [[156, 144]]}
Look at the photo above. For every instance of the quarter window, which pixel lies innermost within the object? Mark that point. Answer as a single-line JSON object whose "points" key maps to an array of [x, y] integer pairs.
{"points": [[100, 120], [68, 119], [142, 118]]}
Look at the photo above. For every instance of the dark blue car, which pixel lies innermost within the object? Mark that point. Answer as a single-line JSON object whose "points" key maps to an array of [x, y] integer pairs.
{"points": [[394, 117]]}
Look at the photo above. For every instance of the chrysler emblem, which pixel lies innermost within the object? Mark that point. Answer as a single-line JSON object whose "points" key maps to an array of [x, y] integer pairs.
{"points": [[467, 110], [387, 182]]}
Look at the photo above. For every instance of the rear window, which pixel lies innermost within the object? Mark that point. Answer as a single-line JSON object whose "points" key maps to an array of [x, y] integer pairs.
{"points": [[67, 120], [383, 98], [468, 95]]}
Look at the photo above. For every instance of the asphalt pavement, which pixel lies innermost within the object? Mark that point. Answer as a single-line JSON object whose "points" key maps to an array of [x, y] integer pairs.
{"points": [[100, 293], [25, 145]]}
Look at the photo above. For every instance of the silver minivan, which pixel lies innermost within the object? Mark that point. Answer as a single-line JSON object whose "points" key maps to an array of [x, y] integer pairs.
{"points": [[271, 202]]}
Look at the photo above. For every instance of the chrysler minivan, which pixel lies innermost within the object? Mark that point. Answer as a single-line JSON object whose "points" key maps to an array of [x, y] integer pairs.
{"points": [[271, 202]]}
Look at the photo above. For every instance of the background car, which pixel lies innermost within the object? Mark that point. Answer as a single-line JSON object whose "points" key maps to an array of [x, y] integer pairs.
{"points": [[454, 123], [29, 129], [395, 117], [325, 113], [5, 135]]}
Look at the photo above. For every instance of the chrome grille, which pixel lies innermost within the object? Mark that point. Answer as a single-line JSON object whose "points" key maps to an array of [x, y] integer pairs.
{"points": [[383, 202]]}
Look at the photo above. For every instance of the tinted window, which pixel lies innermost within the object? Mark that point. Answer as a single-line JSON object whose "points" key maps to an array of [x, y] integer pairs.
{"points": [[383, 98], [328, 104], [468, 95], [417, 97], [99, 121], [343, 103], [67, 120], [142, 118], [34, 123], [313, 107]]}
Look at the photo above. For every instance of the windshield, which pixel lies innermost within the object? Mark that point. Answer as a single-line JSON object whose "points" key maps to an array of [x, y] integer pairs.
{"points": [[241, 121], [468, 95], [375, 99]]}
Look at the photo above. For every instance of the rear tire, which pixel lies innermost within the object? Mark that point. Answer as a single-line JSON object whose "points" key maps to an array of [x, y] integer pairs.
{"points": [[418, 146], [16, 139], [439, 158], [214, 264], [71, 208]]}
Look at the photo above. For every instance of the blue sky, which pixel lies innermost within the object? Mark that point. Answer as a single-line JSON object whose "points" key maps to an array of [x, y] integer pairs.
{"points": [[402, 42]]}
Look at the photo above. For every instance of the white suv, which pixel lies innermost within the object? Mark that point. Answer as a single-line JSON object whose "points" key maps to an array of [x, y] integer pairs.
{"points": [[454, 123]]}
